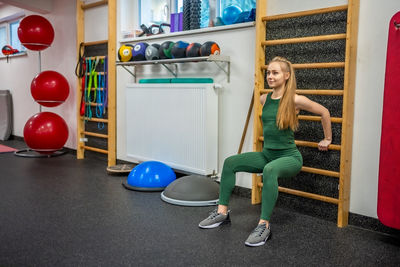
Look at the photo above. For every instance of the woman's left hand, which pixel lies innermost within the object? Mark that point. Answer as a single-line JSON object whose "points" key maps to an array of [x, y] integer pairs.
{"points": [[323, 145]]}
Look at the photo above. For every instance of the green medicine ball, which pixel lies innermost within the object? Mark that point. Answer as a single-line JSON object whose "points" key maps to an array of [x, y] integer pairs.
{"points": [[165, 50]]}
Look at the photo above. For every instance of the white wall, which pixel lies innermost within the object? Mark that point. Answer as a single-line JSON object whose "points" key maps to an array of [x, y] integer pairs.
{"points": [[371, 62], [41, 6], [17, 75]]}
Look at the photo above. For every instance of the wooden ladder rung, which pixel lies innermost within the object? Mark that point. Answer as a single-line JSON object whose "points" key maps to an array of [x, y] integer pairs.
{"points": [[95, 119], [96, 134], [320, 171], [95, 4], [305, 194], [96, 57], [305, 13], [95, 149], [308, 144], [315, 145], [98, 72], [308, 39], [314, 118], [318, 118], [95, 42], [324, 65], [310, 91], [93, 104]]}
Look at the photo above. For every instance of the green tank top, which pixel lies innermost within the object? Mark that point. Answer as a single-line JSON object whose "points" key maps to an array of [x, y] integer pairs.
{"points": [[273, 137]]}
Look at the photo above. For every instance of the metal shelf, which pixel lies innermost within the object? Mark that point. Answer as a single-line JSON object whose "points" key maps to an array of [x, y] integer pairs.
{"points": [[217, 59]]}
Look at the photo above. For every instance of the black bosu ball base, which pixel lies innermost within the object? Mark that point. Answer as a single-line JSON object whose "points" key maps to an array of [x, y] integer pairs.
{"points": [[192, 190]]}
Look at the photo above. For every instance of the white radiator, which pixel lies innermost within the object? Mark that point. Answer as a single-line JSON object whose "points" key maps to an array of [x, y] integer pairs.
{"points": [[176, 124]]}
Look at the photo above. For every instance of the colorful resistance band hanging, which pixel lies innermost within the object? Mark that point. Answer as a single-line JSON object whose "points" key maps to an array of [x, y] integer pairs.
{"points": [[92, 80], [88, 83], [100, 97], [105, 71], [83, 76]]}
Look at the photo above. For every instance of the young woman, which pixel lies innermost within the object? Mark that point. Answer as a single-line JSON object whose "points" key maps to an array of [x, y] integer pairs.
{"points": [[280, 156]]}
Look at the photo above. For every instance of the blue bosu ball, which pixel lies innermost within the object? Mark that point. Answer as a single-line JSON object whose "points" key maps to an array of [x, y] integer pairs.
{"points": [[150, 176]]}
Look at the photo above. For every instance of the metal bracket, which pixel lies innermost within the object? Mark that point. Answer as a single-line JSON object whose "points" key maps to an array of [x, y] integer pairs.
{"points": [[175, 73], [227, 72], [132, 73]]}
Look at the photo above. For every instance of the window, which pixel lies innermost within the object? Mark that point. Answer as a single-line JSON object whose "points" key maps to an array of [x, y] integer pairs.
{"points": [[159, 11], [245, 5], [9, 35], [14, 40], [3, 35]]}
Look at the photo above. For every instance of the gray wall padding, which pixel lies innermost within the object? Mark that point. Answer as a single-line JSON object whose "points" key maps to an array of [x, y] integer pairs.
{"points": [[330, 23], [318, 52], [5, 114]]}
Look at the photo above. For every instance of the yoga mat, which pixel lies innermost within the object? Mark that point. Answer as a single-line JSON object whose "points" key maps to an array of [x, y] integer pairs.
{"points": [[6, 149]]}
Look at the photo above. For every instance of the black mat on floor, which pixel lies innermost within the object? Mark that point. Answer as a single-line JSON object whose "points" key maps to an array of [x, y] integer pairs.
{"points": [[67, 212]]}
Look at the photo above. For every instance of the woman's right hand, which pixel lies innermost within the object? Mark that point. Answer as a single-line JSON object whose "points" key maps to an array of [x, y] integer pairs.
{"points": [[323, 144]]}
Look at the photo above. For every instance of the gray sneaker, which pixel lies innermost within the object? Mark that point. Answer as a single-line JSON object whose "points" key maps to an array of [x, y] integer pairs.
{"points": [[214, 220], [259, 236]]}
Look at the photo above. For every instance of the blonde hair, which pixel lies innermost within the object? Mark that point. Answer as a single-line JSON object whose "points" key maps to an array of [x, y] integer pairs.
{"points": [[286, 116]]}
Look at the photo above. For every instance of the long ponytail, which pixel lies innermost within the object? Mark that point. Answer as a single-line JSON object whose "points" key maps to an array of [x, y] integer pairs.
{"points": [[286, 116]]}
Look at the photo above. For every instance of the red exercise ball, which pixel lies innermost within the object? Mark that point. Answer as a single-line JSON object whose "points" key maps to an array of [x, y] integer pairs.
{"points": [[35, 32], [46, 132], [49, 88]]}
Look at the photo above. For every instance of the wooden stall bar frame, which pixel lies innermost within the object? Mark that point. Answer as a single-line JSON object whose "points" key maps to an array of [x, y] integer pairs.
{"points": [[348, 98], [111, 72]]}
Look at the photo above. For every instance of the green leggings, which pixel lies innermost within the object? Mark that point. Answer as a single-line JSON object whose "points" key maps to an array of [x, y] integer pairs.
{"points": [[272, 163]]}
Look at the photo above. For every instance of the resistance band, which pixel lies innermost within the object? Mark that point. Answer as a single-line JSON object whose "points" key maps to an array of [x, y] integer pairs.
{"points": [[100, 98]]}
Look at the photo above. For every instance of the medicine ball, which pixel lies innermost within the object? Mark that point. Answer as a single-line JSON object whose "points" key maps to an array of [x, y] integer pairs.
{"points": [[165, 50], [125, 53], [209, 48], [152, 52], [193, 50], [179, 49], [139, 51]]}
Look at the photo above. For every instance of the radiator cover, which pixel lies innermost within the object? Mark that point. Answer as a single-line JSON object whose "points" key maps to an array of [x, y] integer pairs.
{"points": [[176, 124]]}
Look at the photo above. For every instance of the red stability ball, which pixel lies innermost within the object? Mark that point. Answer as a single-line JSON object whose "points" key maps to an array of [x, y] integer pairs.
{"points": [[46, 132], [35, 32], [49, 88]]}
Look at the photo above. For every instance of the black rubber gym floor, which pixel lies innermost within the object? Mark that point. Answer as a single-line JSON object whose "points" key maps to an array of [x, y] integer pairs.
{"points": [[66, 212]]}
